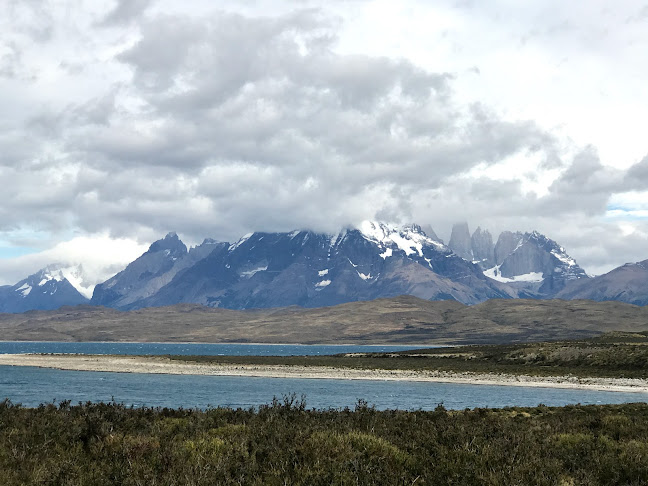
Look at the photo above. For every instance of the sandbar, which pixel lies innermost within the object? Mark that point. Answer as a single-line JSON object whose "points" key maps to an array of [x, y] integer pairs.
{"points": [[163, 365]]}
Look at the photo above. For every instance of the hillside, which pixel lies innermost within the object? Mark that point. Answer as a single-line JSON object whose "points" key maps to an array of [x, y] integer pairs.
{"points": [[402, 319]]}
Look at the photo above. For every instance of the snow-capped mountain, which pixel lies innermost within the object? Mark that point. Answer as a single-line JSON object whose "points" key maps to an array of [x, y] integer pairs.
{"points": [[530, 262], [73, 274], [533, 262], [299, 268], [311, 269], [49, 288]]}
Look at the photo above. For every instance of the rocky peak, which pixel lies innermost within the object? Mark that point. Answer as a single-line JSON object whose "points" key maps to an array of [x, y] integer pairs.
{"points": [[170, 243], [209, 241], [534, 261], [429, 231], [413, 228], [460, 241], [482, 248]]}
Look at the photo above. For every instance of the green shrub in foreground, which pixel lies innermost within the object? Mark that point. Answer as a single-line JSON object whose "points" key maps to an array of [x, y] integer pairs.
{"points": [[285, 443]]}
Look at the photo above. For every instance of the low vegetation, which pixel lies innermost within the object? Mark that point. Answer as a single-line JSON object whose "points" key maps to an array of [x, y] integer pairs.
{"points": [[286, 443], [615, 355]]}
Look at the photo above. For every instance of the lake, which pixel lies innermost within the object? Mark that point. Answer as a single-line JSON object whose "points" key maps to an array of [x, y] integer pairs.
{"points": [[16, 347], [32, 386]]}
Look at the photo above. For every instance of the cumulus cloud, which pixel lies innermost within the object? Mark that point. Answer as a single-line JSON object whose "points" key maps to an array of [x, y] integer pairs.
{"points": [[263, 123], [99, 255], [636, 178], [125, 11], [222, 123]]}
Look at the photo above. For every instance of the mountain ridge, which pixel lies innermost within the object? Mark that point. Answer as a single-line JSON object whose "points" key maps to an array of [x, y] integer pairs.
{"points": [[308, 269], [627, 283]]}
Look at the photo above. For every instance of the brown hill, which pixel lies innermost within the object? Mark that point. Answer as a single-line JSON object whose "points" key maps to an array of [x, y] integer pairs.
{"points": [[402, 319]]}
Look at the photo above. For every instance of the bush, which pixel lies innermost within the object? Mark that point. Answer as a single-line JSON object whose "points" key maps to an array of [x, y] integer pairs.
{"points": [[285, 443]]}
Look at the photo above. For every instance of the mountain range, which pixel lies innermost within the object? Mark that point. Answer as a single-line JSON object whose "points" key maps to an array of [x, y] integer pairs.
{"points": [[308, 269]]}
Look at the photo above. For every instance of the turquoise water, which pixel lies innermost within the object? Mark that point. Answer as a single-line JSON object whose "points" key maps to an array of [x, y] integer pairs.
{"points": [[33, 386], [12, 347]]}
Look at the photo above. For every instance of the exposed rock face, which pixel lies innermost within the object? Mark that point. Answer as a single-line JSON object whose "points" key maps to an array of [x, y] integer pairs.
{"points": [[535, 263], [47, 289], [506, 243], [460, 241], [482, 248], [628, 283], [526, 258], [170, 245], [429, 231], [477, 248], [153, 270]]}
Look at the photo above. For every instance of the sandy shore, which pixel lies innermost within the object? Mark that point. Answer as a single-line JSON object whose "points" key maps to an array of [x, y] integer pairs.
{"points": [[161, 365]]}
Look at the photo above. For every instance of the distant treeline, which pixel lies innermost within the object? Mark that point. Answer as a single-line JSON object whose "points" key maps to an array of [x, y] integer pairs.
{"points": [[286, 443]]}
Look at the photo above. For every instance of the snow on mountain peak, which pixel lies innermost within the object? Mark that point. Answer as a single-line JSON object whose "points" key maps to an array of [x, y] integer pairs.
{"points": [[243, 239], [49, 273], [73, 274], [563, 257], [554, 248], [376, 231], [409, 238], [76, 277]]}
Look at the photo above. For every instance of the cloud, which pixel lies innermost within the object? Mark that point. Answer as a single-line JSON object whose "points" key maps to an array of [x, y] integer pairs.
{"points": [[100, 256], [260, 115], [636, 178], [32, 18], [605, 245], [219, 123], [10, 60], [125, 11], [584, 187], [247, 120]]}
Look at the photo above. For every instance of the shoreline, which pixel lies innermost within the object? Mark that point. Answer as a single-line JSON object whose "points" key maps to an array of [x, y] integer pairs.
{"points": [[160, 365]]}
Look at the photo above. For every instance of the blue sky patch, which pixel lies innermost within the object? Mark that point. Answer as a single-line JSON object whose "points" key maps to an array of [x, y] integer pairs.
{"points": [[14, 251]]}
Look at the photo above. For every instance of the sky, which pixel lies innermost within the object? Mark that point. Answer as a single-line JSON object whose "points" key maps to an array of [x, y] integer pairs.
{"points": [[124, 120]]}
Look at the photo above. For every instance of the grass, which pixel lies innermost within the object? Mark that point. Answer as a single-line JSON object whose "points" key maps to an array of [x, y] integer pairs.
{"points": [[286, 443], [615, 355]]}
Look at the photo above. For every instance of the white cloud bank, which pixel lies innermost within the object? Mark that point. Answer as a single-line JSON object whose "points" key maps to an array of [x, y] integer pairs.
{"points": [[99, 256], [133, 119]]}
